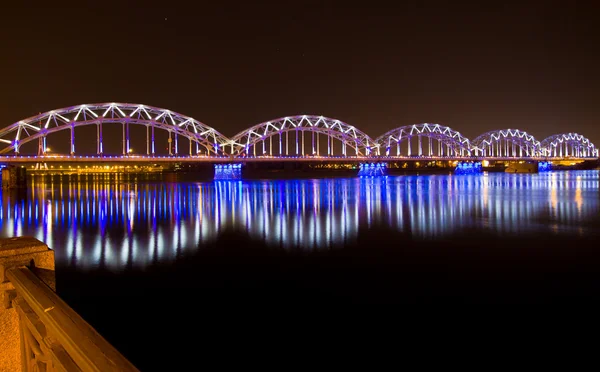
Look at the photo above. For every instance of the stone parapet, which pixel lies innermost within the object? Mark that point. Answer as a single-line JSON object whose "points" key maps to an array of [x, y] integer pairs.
{"points": [[15, 252], [38, 330]]}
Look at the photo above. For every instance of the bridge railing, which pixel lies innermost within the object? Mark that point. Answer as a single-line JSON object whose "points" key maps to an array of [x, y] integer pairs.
{"points": [[38, 330]]}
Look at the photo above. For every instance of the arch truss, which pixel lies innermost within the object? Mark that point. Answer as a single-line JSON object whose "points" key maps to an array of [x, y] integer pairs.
{"points": [[38, 127], [304, 135], [568, 144], [506, 143], [426, 139]]}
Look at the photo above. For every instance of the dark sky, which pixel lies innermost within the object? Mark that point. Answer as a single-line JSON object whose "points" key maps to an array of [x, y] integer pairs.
{"points": [[473, 66]]}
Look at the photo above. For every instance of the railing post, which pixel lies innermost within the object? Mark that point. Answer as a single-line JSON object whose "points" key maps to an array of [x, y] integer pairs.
{"points": [[15, 252]]}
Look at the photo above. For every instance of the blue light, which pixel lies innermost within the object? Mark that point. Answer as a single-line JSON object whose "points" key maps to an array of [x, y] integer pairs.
{"points": [[464, 167], [372, 169], [544, 166], [228, 172]]}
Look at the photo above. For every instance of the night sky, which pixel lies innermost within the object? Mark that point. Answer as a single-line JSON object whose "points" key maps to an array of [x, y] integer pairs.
{"points": [[474, 67]]}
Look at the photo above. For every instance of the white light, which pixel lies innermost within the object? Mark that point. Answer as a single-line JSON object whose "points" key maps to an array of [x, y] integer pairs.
{"points": [[30, 126], [78, 112], [170, 117], [91, 112], [121, 112], [146, 112], [63, 118], [134, 111]]}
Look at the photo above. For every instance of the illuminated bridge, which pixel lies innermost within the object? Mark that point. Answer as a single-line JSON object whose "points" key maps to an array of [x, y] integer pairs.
{"points": [[304, 138]]}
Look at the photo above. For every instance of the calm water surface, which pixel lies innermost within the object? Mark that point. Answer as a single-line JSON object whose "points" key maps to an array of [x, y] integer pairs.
{"points": [[95, 221], [149, 261]]}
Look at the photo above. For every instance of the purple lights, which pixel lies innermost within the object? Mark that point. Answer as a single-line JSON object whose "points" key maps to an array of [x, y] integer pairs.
{"points": [[306, 136]]}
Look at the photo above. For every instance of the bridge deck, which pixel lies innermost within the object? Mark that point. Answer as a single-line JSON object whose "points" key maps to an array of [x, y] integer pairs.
{"points": [[227, 159]]}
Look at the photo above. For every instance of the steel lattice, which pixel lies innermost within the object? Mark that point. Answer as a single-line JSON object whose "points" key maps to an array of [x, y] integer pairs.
{"points": [[572, 144], [350, 136], [499, 143], [100, 113], [451, 140], [506, 143]]}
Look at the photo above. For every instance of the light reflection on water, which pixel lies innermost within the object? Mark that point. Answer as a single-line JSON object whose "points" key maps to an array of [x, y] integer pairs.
{"points": [[91, 221]]}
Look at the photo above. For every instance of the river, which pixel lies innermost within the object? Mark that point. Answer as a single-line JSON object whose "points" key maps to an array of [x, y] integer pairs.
{"points": [[315, 242]]}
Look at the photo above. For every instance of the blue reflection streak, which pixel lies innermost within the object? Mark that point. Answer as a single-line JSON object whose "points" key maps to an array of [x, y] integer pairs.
{"points": [[309, 214]]}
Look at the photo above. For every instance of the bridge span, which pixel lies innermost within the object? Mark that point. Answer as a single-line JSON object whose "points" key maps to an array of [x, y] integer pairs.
{"points": [[299, 138], [32, 159]]}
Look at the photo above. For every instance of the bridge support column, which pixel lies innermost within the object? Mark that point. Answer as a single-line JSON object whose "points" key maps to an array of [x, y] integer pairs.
{"points": [[228, 172], [100, 149], [153, 147], [128, 147], [176, 144], [14, 177], [72, 139], [170, 147], [372, 169], [468, 167], [124, 150]]}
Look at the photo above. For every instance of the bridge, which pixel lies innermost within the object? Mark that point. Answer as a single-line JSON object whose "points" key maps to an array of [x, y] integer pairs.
{"points": [[302, 138]]}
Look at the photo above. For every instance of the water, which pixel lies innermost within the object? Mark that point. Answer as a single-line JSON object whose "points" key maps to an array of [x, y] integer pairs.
{"points": [[146, 261], [96, 222]]}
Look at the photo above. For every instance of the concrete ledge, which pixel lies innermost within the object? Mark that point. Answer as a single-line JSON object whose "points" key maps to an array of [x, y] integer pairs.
{"points": [[25, 251], [15, 252], [21, 245]]}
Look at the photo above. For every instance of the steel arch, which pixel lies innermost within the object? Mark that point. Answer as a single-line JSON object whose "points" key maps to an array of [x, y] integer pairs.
{"points": [[100, 113], [580, 145], [483, 145], [336, 129], [446, 135]]}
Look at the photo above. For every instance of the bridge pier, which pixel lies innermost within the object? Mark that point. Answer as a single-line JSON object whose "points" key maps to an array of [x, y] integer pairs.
{"points": [[14, 177], [228, 172], [468, 167], [544, 166], [372, 169]]}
